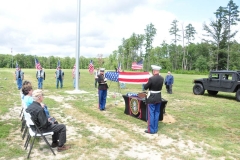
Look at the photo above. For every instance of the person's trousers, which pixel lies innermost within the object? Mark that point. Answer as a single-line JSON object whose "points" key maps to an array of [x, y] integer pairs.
{"points": [[170, 89], [59, 133], [19, 83], [102, 94], [153, 117], [61, 82], [96, 81], [40, 82]]}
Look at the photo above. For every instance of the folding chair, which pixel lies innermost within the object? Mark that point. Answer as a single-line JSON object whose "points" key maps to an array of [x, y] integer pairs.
{"points": [[23, 120], [34, 134]]}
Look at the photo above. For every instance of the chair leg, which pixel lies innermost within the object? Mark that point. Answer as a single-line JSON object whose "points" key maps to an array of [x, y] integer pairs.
{"points": [[21, 112], [27, 141], [23, 125], [25, 132], [48, 144], [31, 147]]}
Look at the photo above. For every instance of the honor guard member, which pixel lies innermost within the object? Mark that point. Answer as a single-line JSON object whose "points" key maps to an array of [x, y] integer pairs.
{"points": [[102, 90], [19, 76], [40, 75], [154, 98], [59, 77]]}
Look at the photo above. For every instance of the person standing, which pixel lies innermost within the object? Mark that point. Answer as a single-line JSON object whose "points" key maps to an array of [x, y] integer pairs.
{"points": [[19, 76], [40, 75], [39, 117], [154, 99], [74, 78], [96, 77], [59, 75], [102, 90], [169, 82]]}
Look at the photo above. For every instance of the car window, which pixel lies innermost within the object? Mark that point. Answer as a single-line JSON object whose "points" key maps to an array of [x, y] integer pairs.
{"points": [[227, 76], [215, 76]]}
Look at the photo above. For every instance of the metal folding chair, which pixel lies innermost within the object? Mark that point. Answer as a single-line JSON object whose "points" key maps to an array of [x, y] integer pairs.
{"points": [[35, 133]]}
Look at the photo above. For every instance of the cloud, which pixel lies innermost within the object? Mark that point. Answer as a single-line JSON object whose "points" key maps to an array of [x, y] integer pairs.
{"points": [[48, 28]]}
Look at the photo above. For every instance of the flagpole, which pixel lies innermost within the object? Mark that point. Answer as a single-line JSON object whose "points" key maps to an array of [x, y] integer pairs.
{"points": [[77, 44]]}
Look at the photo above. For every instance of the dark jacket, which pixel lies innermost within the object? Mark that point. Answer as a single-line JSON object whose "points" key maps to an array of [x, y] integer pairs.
{"points": [[154, 83], [38, 114], [102, 84]]}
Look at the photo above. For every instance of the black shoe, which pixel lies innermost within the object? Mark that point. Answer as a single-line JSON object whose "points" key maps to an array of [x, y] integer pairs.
{"points": [[54, 145], [146, 131]]}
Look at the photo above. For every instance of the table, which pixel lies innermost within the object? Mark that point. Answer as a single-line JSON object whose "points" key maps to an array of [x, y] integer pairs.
{"points": [[137, 107]]}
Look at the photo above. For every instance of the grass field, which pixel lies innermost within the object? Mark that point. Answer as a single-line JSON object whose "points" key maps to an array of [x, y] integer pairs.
{"points": [[204, 127]]}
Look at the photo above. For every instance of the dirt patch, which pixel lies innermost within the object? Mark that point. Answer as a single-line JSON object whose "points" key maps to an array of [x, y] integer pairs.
{"points": [[167, 118]]}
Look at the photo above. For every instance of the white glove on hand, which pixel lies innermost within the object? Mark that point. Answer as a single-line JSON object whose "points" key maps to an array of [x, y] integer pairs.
{"points": [[105, 80]]}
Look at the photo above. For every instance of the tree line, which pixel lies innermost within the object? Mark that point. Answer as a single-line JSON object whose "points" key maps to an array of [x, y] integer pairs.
{"points": [[217, 51]]}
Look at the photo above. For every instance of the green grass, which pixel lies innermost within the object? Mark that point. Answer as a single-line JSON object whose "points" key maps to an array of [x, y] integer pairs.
{"points": [[212, 120]]}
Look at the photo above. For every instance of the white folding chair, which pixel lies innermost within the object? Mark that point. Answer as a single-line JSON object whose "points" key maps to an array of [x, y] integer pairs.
{"points": [[23, 119], [35, 133]]}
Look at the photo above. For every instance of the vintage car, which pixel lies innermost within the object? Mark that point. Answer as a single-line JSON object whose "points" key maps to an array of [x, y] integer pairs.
{"points": [[218, 81]]}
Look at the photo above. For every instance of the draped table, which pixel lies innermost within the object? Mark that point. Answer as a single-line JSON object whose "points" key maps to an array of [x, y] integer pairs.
{"points": [[137, 107]]}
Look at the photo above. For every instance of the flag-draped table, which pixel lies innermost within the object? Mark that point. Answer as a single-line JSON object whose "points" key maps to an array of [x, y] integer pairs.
{"points": [[137, 107]]}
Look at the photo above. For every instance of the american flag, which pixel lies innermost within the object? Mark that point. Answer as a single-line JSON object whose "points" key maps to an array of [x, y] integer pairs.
{"points": [[91, 67], [128, 77], [137, 65], [119, 67], [37, 64], [73, 70], [58, 64], [133, 77]]}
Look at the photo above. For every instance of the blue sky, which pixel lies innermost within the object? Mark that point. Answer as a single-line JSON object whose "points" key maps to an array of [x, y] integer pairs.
{"points": [[196, 10], [48, 28]]}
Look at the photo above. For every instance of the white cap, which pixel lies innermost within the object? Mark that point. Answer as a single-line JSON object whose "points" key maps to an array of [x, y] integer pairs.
{"points": [[102, 69], [154, 67]]}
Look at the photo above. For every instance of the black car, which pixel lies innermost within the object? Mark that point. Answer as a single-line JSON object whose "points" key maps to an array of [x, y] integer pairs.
{"points": [[221, 80]]}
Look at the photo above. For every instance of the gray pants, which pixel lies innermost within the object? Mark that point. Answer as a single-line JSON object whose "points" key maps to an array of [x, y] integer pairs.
{"points": [[59, 133]]}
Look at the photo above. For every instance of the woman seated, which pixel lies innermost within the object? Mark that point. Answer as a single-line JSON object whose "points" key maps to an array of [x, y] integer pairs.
{"points": [[27, 98]]}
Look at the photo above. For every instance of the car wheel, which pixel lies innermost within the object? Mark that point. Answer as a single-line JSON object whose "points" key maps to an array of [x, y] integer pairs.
{"points": [[212, 92], [238, 95], [198, 89]]}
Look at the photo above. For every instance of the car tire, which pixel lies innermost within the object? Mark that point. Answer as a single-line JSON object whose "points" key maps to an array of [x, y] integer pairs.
{"points": [[212, 92], [198, 89], [238, 95]]}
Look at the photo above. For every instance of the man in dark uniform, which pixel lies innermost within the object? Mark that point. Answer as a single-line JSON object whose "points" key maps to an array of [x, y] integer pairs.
{"points": [[154, 99], [102, 89]]}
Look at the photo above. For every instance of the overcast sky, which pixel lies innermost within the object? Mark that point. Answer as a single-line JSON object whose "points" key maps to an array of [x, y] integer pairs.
{"points": [[48, 27]]}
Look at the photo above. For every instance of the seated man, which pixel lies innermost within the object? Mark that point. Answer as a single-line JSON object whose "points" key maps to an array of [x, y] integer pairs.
{"points": [[41, 120], [28, 99]]}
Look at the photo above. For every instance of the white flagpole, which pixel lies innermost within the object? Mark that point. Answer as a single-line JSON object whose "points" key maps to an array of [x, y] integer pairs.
{"points": [[77, 44]]}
